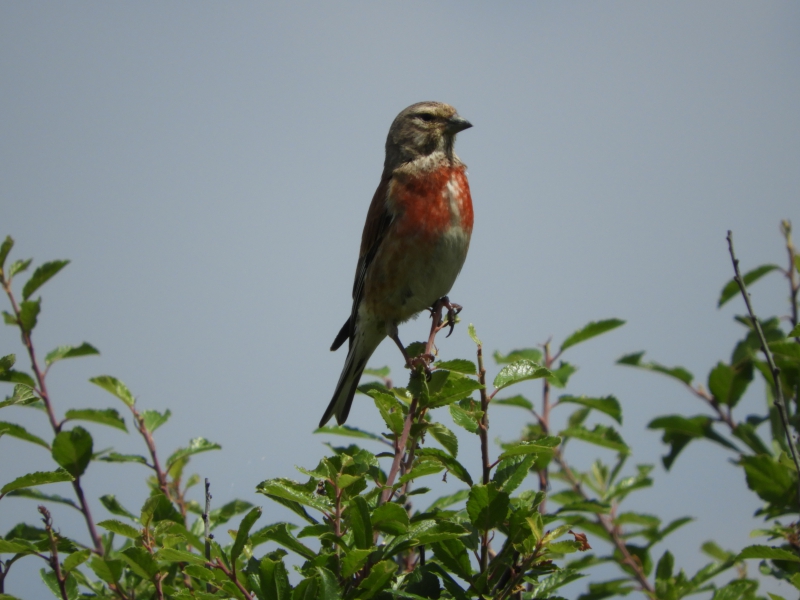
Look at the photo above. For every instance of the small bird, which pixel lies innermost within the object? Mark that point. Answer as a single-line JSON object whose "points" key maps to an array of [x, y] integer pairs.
{"points": [[414, 243]]}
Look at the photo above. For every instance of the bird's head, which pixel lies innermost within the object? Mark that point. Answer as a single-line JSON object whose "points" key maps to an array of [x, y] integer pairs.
{"points": [[422, 129]]}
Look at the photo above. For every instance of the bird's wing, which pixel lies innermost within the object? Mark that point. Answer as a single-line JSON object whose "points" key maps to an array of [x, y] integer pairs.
{"points": [[378, 220]]}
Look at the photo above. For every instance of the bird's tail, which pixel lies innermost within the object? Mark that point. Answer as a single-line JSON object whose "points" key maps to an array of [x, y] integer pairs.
{"points": [[360, 352]]}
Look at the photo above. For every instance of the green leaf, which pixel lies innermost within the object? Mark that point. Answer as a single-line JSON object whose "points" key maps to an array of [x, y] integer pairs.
{"points": [[542, 447], [281, 534], [348, 431], [379, 576], [113, 506], [73, 450], [116, 387], [521, 370], [469, 420], [116, 457], [195, 446], [430, 531], [354, 560], [424, 468], [22, 395], [543, 588], [786, 348], [591, 330], [796, 331], [7, 361], [5, 248], [454, 387], [76, 559], [28, 313], [141, 562], [328, 585], [564, 547], [453, 555], [35, 494], [532, 354], [635, 360], [680, 430], [390, 518], [772, 481], [747, 433], [18, 266], [108, 570], [154, 419], [473, 334], [445, 437], [158, 508], [458, 365], [731, 288], [13, 376], [180, 556], [223, 514], [561, 375], [121, 528], [274, 579], [608, 405], [306, 589], [41, 275], [665, 566], [727, 384], [244, 532], [449, 500], [487, 506], [360, 522], [606, 437], [294, 492], [21, 433], [109, 417], [16, 547], [70, 585], [767, 553], [450, 463], [63, 352], [37, 478], [512, 471], [519, 401], [591, 506], [390, 409], [383, 372]]}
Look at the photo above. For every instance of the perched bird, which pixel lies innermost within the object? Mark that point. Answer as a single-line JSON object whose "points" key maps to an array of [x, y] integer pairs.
{"points": [[415, 239]]}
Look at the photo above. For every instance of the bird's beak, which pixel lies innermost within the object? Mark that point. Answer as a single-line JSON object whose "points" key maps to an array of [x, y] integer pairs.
{"points": [[456, 124]]}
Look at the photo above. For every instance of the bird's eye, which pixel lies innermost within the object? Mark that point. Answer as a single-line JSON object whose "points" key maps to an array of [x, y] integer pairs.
{"points": [[427, 117]]}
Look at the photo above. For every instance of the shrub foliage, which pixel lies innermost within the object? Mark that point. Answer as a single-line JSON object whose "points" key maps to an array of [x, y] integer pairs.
{"points": [[522, 523]]}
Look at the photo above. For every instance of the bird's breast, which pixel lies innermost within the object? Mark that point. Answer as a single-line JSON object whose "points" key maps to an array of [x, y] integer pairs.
{"points": [[431, 203]]}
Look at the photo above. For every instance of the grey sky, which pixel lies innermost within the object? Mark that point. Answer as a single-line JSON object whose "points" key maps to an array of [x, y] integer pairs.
{"points": [[207, 168]]}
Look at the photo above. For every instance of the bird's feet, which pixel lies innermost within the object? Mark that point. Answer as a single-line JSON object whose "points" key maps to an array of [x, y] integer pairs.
{"points": [[436, 314]]}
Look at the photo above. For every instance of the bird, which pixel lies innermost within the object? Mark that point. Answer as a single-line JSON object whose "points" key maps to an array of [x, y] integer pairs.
{"points": [[415, 240]]}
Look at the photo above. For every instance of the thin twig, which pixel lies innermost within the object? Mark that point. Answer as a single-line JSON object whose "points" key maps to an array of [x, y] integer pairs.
{"points": [[207, 528], [483, 432], [794, 285], [151, 448], [41, 390], [231, 576], [399, 450], [54, 564], [28, 343], [776, 372], [612, 530]]}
